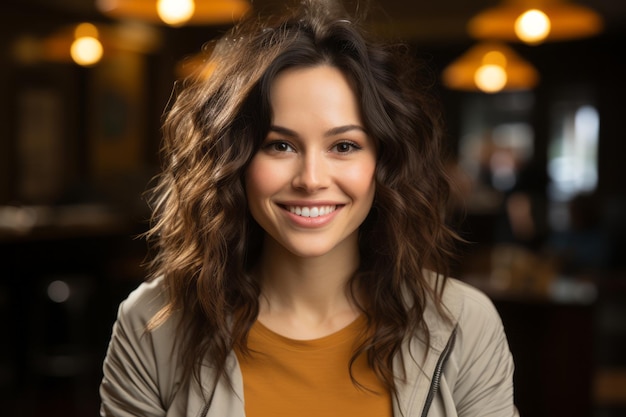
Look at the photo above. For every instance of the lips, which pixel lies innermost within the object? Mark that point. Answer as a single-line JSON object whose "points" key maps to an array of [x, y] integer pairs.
{"points": [[311, 211]]}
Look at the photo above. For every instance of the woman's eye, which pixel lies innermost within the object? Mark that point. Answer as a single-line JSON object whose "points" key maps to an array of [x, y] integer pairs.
{"points": [[279, 147], [346, 147]]}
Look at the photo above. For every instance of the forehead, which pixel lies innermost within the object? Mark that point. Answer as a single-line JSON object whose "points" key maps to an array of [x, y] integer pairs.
{"points": [[317, 74], [320, 87]]}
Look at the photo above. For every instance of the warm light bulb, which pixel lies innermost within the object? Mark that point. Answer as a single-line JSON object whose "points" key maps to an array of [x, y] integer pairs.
{"points": [[175, 12], [86, 51], [490, 78], [532, 26]]}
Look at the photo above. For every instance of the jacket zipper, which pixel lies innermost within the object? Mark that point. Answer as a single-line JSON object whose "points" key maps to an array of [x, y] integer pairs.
{"points": [[205, 410], [435, 381]]}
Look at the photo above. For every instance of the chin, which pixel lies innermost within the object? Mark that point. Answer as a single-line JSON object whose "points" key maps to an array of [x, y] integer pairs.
{"points": [[309, 253]]}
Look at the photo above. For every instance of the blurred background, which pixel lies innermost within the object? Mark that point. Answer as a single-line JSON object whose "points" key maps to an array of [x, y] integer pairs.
{"points": [[535, 128]]}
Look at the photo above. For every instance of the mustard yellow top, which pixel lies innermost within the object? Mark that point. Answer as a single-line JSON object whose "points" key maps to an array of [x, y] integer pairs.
{"points": [[309, 378]]}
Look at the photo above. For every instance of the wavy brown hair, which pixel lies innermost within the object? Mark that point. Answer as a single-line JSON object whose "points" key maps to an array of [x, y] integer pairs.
{"points": [[205, 237]]}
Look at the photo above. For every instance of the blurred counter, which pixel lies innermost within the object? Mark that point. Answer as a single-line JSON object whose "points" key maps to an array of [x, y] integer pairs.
{"points": [[54, 222]]}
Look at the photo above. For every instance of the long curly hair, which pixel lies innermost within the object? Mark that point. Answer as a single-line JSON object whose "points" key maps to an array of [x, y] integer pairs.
{"points": [[205, 238]]}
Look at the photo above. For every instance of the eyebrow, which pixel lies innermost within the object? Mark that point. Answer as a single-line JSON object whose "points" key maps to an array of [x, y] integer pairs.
{"points": [[331, 132]]}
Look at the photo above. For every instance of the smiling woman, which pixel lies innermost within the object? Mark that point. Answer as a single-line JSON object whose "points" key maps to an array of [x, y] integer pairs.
{"points": [[316, 159], [302, 254]]}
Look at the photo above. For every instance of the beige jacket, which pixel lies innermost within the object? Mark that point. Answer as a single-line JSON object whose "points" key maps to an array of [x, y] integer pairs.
{"points": [[468, 371]]}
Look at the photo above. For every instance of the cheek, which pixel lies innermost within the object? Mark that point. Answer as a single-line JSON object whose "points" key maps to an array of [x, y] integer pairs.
{"points": [[360, 179], [262, 179]]}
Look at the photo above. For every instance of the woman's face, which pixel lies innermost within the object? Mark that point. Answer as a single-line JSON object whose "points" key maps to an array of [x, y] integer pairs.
{"points": [[311, 184]]}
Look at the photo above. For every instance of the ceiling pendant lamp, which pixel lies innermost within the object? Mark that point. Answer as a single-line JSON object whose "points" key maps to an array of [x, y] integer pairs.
{"points": [[535, 21], [81, 44], [490, 67], [176, 12], [86, 49], [86, 44]]}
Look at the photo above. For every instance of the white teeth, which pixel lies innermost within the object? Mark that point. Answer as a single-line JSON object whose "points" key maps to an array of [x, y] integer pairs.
{"points": [[311, 211]]}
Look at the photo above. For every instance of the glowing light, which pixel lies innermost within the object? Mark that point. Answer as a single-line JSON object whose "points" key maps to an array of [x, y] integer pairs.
{"points": [[175, 12], [532, 26], [490, 78], [490, 67], [521, 20], [86, 50]]}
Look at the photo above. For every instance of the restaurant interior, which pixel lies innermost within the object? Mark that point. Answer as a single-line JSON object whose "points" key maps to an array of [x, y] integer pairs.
{"points": [[535, 139]]}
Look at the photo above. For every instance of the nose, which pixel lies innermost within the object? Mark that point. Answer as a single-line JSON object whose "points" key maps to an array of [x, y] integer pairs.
{"points": [[312, 173]]}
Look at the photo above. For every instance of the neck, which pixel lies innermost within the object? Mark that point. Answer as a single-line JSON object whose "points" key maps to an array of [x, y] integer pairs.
{"points": [[313, 289]]}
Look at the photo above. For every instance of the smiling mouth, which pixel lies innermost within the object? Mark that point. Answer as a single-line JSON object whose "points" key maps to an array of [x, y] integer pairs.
{"points": [[314, 211]]}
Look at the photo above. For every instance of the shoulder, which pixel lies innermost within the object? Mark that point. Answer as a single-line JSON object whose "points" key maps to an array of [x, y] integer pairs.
{"points": [[143, 302], [481, 352], [138, 369], [473, 314], [467, 303], [136, 312], [479, 371], [464, 308]]}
